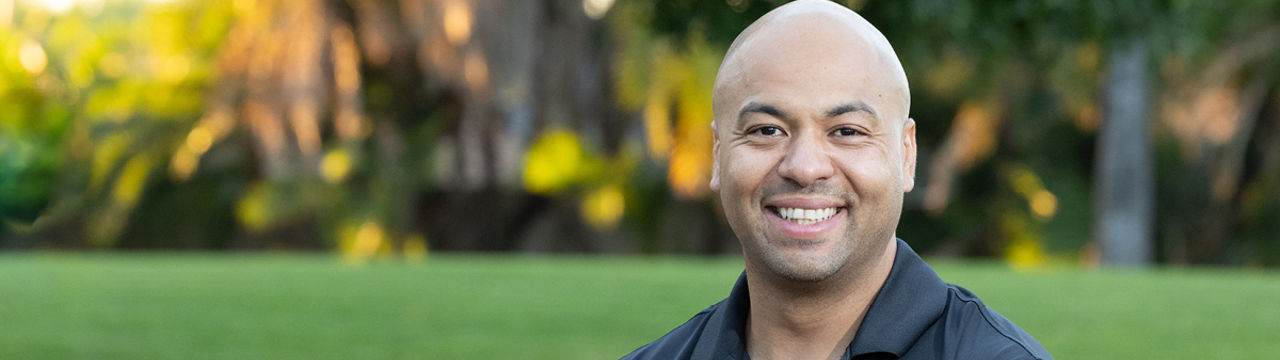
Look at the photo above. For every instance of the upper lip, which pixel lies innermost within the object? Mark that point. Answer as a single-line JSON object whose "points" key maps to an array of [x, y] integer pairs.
{"points": [[804, 202]]}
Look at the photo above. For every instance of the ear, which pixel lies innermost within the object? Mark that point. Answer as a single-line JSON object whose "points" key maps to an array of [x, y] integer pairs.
{"points": [[908, 155], [715, 158]]}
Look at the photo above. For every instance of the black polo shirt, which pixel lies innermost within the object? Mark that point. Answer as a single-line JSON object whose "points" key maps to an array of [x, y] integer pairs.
{"points": [[914, 316]]}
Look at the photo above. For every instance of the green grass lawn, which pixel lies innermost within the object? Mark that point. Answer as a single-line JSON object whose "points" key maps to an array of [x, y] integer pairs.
{"points": [[525, 307]]}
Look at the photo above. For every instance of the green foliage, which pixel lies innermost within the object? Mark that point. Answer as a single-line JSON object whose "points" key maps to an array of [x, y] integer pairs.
{"points": [[96, 99], [121, 116]]}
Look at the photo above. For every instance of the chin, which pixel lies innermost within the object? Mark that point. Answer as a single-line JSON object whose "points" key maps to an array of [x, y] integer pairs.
{"points": [[804, 268]]}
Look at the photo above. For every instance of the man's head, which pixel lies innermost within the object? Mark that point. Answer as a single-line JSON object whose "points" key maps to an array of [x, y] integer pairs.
{"points": [[814, 148]]}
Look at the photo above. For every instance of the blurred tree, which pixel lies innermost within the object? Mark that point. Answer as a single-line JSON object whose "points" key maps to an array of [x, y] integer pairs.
{"points": [[1218, 183], [582, 125], [96, 99], [1124, 183], [1075, 42]]}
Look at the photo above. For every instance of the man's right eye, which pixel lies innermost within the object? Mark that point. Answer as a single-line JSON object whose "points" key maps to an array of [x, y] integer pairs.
{"points": [[768, 130]]}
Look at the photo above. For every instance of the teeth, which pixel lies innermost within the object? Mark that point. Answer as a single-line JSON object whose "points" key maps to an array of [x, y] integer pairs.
{"points": [[806, 216]]}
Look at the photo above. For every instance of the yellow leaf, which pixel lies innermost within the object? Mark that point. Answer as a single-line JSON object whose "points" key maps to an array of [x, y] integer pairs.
{"points": [[603, 207], [254, 210], [553, 163], [128, 187], [335, 166]]}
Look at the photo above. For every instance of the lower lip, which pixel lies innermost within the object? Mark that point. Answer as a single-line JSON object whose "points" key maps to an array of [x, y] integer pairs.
{"points": [[806, 232]]}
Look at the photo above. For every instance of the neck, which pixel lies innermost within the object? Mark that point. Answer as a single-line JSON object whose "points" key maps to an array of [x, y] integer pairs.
{"points": [[812, 321]]}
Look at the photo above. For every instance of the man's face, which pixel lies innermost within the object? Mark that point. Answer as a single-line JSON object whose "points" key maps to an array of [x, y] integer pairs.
{"points": [[813, 150]]}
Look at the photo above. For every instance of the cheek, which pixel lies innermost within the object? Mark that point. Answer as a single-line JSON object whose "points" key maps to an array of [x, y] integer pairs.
{"points": [[872, 175], [742, 177], [745, 174]]}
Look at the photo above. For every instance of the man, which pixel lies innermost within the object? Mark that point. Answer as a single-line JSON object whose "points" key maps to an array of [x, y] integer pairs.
{"points": [[814, 150]]}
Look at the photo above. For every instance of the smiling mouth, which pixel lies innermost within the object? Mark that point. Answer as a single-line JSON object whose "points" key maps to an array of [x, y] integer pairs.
{"points": [[805, 216]]}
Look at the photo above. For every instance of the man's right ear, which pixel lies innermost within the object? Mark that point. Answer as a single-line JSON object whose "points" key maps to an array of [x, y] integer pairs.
{"points": [[715, 158]]}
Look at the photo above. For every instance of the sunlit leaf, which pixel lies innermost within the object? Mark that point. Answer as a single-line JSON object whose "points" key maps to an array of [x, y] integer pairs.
{"points": [[553, 163], [603, 207]]}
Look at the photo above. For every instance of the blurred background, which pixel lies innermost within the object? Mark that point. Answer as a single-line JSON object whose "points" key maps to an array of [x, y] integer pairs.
{"points": [[1127, 132], [528, 178]]}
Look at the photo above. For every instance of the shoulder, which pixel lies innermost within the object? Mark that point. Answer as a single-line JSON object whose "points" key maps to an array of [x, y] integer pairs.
{"points": [[679, 342], [977, 331]]}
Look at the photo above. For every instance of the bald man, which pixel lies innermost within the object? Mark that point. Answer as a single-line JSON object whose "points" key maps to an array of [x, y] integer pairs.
{"points": [[813, 152]]}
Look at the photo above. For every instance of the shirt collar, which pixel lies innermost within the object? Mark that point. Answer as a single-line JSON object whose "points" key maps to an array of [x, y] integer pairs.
{"points": [[725, 334], [909, 302], [911, 299]]}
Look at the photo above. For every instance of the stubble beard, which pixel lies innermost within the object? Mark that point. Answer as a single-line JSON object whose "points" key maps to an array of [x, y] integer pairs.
{"points": [[796, 260], [855, 249], [802, 266]]}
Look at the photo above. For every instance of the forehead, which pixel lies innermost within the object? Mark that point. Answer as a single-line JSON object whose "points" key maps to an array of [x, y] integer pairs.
{"points": [[812, 60]]}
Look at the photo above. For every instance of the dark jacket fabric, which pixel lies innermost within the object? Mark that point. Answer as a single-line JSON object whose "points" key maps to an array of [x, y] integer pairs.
{"points": [[914, 316]]}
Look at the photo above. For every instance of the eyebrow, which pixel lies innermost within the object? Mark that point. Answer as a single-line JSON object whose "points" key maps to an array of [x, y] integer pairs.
{"points": [[855, 106], [756, 107], [851, 107]]}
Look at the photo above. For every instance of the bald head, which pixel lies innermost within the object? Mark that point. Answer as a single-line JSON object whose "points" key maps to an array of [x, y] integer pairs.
{"points": [[803, 44], [811, 115]]}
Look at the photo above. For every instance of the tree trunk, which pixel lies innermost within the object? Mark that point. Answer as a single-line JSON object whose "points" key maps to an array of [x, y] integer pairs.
{"points": [[1124, 177]]}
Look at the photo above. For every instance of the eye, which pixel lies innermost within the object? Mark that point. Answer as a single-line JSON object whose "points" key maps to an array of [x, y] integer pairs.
{"points": [[848, 131], [767, 130]]}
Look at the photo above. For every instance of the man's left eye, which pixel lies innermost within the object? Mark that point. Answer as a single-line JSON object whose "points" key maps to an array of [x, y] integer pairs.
{"points": [[846, 131]]}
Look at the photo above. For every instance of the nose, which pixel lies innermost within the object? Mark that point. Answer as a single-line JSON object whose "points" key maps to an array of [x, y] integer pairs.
{"points": [[807, 161]]}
